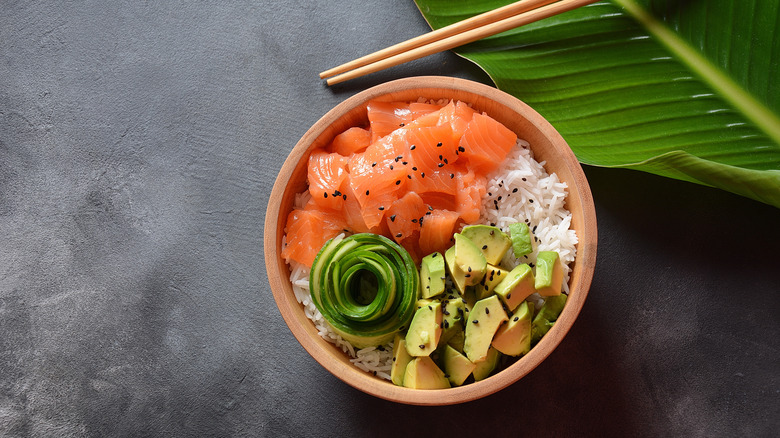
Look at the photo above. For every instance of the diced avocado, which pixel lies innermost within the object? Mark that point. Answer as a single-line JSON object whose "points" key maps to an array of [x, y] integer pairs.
{"points": [[432, 275], [469, 259], [492, 278], [422, 373], [549, 273], [453, 315], [456, 366], [484, 320], [548, 314], [486, 366], [493, 242], [516, 286], [458, 277], [522, 241], [514, 337], [401, 358], [424, 330]]}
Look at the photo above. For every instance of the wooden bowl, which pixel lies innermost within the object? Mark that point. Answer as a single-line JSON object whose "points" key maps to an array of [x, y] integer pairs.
{"points": [[547, 145]]}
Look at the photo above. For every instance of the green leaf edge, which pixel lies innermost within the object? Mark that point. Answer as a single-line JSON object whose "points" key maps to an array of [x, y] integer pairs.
{"points": [[759, 185]]}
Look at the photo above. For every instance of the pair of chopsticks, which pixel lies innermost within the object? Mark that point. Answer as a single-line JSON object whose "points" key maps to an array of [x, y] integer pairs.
{"points": [[472, 29]]}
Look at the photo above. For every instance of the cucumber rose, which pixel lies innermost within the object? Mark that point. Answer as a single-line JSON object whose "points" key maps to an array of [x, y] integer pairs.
{"points": [[366, 286]]}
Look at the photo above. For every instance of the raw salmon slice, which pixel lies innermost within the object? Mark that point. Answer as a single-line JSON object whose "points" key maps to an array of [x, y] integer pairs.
{"points": [[404, 216], [432, 148], [485, 143], [436, 231], [307, 231], [377, 176], [326, 172], [351, 141]]}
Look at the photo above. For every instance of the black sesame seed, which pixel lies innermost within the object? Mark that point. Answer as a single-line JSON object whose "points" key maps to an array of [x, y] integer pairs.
{"points": [[422, 347], [422, 175], [366, 192], [531, 201], [392, 218], [461, 148], [326, 195], [514, 190], [441, 164], [344, 197], [414, 221], [487, 311], [409, 176], [438, 145], [484, 246], [452, 175], [391, 167], [509, 295], [373, 164], [401, 125], [475, 321], [516, 318], [399, 235], [398, 182], [381, 208], [412, 147], [414, 168]]}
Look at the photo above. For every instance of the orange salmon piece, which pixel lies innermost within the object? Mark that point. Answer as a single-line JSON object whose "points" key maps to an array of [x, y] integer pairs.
{"points": [[307, 231], [351, 141], [485, 143], [404, 216], [377, 176], [468, 197], [437, 230], [431, 149], [326, 172]]}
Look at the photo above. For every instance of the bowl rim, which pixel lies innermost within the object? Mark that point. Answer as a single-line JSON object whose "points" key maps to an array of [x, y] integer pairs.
{"points": [[321, 350]]}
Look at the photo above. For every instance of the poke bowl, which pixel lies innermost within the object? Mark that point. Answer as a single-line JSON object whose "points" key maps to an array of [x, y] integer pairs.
{"points": [[554, 167]]}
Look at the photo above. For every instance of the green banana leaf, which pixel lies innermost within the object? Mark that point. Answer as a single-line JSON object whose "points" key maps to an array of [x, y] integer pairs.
{"points": [[687, 89]]}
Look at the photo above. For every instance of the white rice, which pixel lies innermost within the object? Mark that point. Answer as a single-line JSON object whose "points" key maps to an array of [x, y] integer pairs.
{"points": [[539, 201]]}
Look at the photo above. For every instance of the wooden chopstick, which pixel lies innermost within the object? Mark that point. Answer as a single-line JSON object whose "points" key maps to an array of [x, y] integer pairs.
{"points": [[453, 29], [481, 26]]}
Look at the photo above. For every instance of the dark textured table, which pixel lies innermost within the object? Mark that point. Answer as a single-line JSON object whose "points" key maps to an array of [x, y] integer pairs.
{"points": [[138, 145]]}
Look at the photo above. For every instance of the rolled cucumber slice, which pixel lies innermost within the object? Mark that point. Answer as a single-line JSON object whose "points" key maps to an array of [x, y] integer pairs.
{"points": [[366, 286]]}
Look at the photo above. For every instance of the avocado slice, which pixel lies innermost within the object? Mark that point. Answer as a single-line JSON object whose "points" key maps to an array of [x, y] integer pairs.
{"points": [[424, 330], [469, 259], [401, 358], [484, 320], [516, 286], [514, 337], [486, 366], [493, 276], [422, 373], [548, 314], [458, 277], [432, 275], [523, 242], [456, 366], [549, 273], [453, 315], [493, 242]]}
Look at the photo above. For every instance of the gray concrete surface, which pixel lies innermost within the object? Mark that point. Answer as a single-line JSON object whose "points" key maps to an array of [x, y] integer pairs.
{"points": [[138, 145]]}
